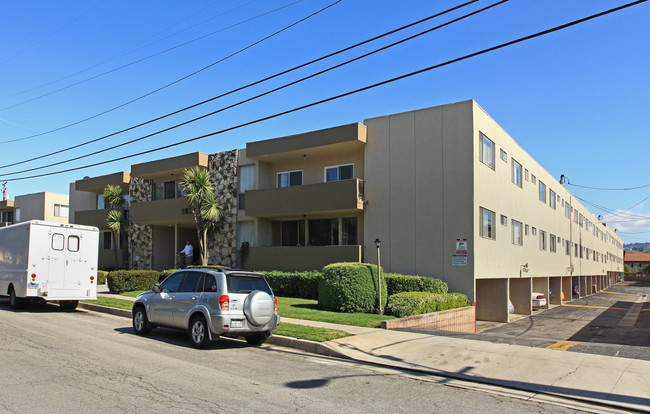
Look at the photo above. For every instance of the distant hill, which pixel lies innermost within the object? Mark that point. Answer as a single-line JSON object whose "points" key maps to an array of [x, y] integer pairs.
{"points": [[641, 247]]}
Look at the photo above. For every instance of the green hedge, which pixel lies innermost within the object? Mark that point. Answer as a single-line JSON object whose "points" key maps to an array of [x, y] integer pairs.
{"points": [[403, 283], [163, 274], [126, 280], [294, 284], [416, 303], [101, 277], [349, 287]]}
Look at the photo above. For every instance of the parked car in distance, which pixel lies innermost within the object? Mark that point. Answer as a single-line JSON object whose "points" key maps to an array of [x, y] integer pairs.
{"points": [[208, 303], [539, 300], [576, 290]]}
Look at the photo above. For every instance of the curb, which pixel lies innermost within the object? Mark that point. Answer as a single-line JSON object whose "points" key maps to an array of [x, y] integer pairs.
{"points": [[286, 341]]}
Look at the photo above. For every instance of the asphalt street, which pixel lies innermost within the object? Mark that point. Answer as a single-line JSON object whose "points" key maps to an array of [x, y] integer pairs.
{"points": [[81, 361]]}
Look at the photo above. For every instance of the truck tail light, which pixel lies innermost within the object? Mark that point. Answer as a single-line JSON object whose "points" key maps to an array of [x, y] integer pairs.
{"points": [[224, 302], [92, 279], [33, 277], [275, 303]]}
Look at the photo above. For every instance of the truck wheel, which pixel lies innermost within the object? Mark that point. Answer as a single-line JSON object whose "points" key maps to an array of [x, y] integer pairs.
{"points": [[68, 305], [14, 301], [199, 332], [257, 339], [141, 325]]}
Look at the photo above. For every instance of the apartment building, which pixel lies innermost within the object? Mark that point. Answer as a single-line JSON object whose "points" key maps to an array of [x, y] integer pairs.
{"points": [[445, 189], [46, 206]]}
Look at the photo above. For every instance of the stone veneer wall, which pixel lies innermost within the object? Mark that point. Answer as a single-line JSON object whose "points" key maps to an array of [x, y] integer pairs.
{"points": [[223, 172], [140, 235]]}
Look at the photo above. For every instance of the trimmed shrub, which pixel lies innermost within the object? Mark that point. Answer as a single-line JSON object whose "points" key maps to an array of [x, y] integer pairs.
{"points": [[101, 277], [349, 287], [403, 283], [126, 280], [294, 284], [163, 274], [416, 303]]}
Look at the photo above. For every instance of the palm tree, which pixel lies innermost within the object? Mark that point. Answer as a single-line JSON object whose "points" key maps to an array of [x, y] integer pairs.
{"points": [[202, 201], [114, 197]]}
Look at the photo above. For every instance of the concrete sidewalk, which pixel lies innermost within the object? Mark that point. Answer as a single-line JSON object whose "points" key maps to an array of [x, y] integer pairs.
{"points": [[613, 381]]}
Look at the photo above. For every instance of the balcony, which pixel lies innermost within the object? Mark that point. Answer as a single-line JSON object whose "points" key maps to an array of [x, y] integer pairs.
{"points": [[96, 218], [169, 168], [298, 258], [162, 212], [333, 197], [98, 184]]}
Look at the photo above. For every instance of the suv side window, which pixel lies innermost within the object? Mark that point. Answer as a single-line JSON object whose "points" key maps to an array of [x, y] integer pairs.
{"points": [[191, 282], [210, 284], [172, 283]]}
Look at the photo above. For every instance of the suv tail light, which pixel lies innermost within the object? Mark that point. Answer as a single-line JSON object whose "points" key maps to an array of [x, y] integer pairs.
{"points": [[224, 302], [275, 303]]}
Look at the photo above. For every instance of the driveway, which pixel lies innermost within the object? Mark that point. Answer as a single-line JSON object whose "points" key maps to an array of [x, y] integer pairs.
{"points": [[615, 322]]}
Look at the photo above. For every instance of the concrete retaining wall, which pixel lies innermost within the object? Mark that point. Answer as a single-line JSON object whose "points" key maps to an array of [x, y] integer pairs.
{"points": [[636, 277], [455, 320]]}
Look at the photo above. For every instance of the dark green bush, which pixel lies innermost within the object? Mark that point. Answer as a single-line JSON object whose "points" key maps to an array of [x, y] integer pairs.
{"points": [[126, 280], [294, 284], [646, 269], [416, 303], [350, 287], [403, 283], [101, 277]]}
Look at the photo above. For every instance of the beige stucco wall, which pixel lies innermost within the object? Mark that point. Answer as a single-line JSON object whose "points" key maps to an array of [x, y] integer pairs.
{"points": [[419, 191], [495, 191], [40, 206]]}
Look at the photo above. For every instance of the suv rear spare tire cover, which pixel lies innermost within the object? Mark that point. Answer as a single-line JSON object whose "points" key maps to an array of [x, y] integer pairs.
{"points": [[258, 308]]}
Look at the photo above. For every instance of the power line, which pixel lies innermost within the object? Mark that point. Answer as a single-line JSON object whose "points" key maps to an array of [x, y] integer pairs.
{"points": [[609, 189], [134, 49], [614, 212], [141, 60], [258, 82], [355, 91]]}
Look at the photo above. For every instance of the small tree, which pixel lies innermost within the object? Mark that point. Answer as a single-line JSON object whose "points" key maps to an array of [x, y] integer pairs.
{"points": [[114, 197], [627, 268], [202, 201]]}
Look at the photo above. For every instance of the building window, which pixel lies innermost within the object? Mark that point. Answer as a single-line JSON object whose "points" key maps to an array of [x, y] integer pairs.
{"points": [[534, 231], [100, 202], [339, 172], [526, 174], [575, 216], [516, 233], [551, 198], [581, 220], [567, 211], [289, 178], [567, 249], [246, 182], [504, 220], [341, 231], [17, 214], [576, 249], [487, 224], [245, 232], [289, 233], [61, 210], [542, 240], [516, 172], [533, 179], [166, 190], [486, 151], [504, 155], [526, 230], [542, 192], [553, 244]]}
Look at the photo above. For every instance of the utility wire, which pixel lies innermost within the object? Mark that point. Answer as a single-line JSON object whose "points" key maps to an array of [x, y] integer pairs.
{"points": [[355, 91], [610, 189], [133, 49], [259, 82], [614, 212], [146, 58]]}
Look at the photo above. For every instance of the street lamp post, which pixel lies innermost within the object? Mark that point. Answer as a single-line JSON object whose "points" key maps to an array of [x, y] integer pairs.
{"points": [[378, 243]]}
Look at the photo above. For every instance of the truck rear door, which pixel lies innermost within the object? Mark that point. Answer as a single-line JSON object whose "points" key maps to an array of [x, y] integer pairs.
{"points": [[67, 271]]}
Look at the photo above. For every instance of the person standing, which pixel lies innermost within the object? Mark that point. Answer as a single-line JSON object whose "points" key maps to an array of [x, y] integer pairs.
{"points": [[188, 251]]}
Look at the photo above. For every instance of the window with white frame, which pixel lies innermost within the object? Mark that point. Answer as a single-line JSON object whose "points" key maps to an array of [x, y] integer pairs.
{"points": [[504, 156], [488, 219], [339, 172], [526, 174], [486, 151], [533, 179], [567, 211], [526, 230], [575, 216], [289, 178], [17, 214], [542, 192], [61, 210], [534, 231], [516, 233], [504, 220], [551, 198], [553, 244], [516, 172], [542, 240]]}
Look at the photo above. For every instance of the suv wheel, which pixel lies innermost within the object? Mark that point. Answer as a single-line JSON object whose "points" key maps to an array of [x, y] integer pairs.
{"points": [[259, 308], [141, 325], [257, 339], [199, 332]]}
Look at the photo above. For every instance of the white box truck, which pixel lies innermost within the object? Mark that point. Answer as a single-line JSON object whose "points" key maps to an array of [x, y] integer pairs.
{"points": [[48, 262]]}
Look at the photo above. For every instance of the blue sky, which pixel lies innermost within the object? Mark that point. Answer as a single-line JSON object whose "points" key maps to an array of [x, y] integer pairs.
{"points": [[576, 100]]}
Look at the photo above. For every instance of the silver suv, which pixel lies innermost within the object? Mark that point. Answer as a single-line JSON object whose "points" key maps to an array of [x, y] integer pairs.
{"points": [[209, 302]]}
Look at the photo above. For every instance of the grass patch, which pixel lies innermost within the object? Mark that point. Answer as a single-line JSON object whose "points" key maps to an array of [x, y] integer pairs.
{"points": [[133, 293], [308, 309], [110, 302], [309, 332]]}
